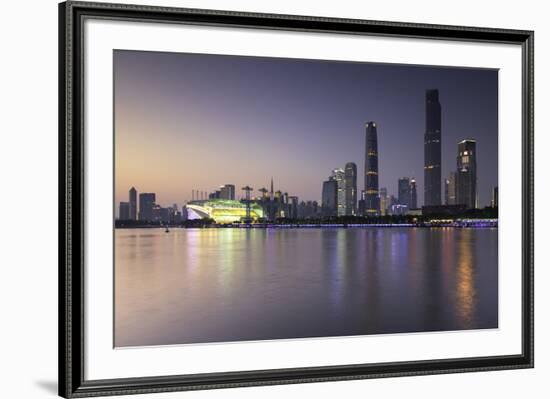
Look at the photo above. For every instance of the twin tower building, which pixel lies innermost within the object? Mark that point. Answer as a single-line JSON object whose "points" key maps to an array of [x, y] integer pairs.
{"points": [[463, 190], [460, 187], [432, 158]]}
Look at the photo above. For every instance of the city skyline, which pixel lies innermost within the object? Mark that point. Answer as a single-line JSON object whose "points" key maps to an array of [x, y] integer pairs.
{"points": [[160, 152]]}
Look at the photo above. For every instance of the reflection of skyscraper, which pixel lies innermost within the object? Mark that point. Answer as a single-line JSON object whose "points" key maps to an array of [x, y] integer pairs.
{"points": [[414, 197], [432, 150], [350, 189], [339, 176], [466, 165], [371, 170], [404, 191], [132, 204], [146, 205], [329, 197], [450, 189]]}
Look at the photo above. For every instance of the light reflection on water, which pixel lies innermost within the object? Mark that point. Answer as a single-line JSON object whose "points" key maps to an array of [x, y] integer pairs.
{"points": [[219, 285]]}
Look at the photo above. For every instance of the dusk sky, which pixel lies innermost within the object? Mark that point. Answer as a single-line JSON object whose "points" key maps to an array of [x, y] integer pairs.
{"points": [[195, 121]]}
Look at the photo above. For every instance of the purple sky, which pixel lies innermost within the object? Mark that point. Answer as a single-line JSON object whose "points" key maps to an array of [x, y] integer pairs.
{"points": [[195, 121]]}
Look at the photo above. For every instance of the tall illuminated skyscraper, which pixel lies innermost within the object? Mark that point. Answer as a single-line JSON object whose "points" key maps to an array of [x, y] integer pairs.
{"points": [[466, 173], [372, 202], [339, 176], [350, 174], [432, 150]]}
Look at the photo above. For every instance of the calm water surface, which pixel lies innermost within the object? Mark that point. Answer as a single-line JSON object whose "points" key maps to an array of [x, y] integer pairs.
{"points": [[219, 285]]}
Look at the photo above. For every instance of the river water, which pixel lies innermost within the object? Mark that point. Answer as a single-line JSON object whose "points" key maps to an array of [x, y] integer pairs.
{"points": [[220, 285]]}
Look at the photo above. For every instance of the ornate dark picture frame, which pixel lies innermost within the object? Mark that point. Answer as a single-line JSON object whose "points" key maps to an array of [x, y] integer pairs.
{"points": [[72, 382]]}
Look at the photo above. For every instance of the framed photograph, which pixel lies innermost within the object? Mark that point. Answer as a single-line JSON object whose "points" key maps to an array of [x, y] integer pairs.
{"points": [[253, 199]]}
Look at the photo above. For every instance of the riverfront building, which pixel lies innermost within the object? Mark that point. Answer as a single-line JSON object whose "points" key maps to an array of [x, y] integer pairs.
{"points": [[494, 201], [124, 211], [466, 165], [329, 202], [404, 191], [350, 175], [372, 201], [384, 201], [132, 211], [339, 176], [432, 150], [361, 204], [146, 205], [450, 189], [222, 211], [414, 197], [227, 192]]}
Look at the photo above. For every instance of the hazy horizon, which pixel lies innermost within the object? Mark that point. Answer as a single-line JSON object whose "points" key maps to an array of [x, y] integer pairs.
{"points": [[198, 121]]}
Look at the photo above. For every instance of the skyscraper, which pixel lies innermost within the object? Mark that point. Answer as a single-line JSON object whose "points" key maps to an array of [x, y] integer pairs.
{"points": [[404, 191], [361, 204], [494, 201], [384, 201], [124, 211], [146, 205], [414, 196], [132, 204], [329, 197], [432, 150], [466, 165], [450, 189], [372, 204], [293, 207], [350, 173], [227, 192], [338, 175]]}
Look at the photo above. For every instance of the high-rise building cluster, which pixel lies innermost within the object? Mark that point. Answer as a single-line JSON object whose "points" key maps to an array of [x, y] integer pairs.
{"points": [[149, 211], [340, 195], [277, 204], [461, 186]]}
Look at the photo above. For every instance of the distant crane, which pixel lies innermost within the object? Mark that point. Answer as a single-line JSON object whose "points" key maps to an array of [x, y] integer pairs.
{"points": [[247, 190]]}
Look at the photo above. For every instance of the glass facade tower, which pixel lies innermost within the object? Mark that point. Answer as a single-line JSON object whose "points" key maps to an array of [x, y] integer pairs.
{"points": [[466, 173], [372, 201], [350, 175], [432, 150]]}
